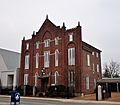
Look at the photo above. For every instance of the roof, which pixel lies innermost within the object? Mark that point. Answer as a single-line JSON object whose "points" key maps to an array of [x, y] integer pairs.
{"points": [[87, 46], [109, 80], [9, 59]]}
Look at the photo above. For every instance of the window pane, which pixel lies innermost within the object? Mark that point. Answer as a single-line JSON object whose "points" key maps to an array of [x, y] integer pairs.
{"points": [[56, 57], [97, 68], [37, 45], [27, 62], [37, 60], [47, 42], [93, 67], [88, 60], [71, 36], [27, 46], [97, 55], [56, 40], [46, 59], [71, 56]]}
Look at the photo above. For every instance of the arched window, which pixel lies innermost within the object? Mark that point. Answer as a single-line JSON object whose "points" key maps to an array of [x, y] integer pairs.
{"points": [[37, 60], [56, 57], [71, 56], [27, 58], [46, 58], [56, 77]]}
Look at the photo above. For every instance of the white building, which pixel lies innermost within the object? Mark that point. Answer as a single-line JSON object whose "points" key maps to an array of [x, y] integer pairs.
{"points": [[9, 68]]}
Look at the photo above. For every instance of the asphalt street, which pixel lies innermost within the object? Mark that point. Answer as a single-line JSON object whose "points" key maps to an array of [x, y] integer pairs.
{"points": [[49, 101]]}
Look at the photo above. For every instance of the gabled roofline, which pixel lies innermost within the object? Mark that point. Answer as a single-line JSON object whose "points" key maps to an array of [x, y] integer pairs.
{"points": [[86, 44]]}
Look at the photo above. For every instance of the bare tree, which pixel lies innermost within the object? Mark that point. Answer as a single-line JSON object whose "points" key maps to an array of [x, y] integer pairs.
{"points": [[112, 70]]}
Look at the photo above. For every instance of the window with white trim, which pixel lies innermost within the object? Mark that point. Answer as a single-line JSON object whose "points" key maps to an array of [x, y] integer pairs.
{"points": [[27, 58], [71, 56], [27, 46], [97, 67], [56, 57], [71, 37], [46, 58], [37, 45], [56, 77], [93, 53], [88, 60], [47, 43], [97, 54], [37, 60], [87, 83], [56, 40], [25, 79], [93, 67]]}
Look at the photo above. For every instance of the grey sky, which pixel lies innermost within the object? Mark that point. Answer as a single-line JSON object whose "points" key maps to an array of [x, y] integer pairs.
{"points": [[100, 21]]}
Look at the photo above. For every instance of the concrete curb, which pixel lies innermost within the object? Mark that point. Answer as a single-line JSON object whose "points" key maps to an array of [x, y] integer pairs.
{"points": [[66, 100]]}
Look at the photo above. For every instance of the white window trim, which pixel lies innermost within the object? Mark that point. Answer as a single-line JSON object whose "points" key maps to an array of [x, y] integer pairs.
{"points": [[47, 58], [56, 57], [71, 56], [56, 77], [37, 44], [27, 58], [56, 40], [93, 53], [37, 60], [27, 46], [93, 67], [47, 43], [97, 54], [71, 36], [98, 68], [88, 60]]}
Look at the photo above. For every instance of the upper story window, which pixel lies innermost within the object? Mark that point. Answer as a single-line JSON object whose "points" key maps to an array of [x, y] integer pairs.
{"points": [[46, 58], [27, 46], [47, 43], [27, 58], [37, 45], [88, 60], [71, 37], [71, 56], [98, 68], [37, 60], [56, 57], [97, 54], [93, 53], [93, 67], [56, 40]]}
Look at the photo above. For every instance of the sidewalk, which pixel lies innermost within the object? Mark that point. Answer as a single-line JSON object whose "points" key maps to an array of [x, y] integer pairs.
{"points": [[86, 99]]}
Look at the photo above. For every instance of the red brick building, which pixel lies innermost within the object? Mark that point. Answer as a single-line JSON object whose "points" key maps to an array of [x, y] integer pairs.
{"points": [[58, 56]]}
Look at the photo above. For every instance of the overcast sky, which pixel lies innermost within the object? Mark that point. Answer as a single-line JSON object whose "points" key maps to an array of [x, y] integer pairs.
{"points": [[100, 21]]}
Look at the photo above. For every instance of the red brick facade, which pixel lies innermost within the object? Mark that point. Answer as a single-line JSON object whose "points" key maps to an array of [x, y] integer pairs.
{"points": [[73, 76]]}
